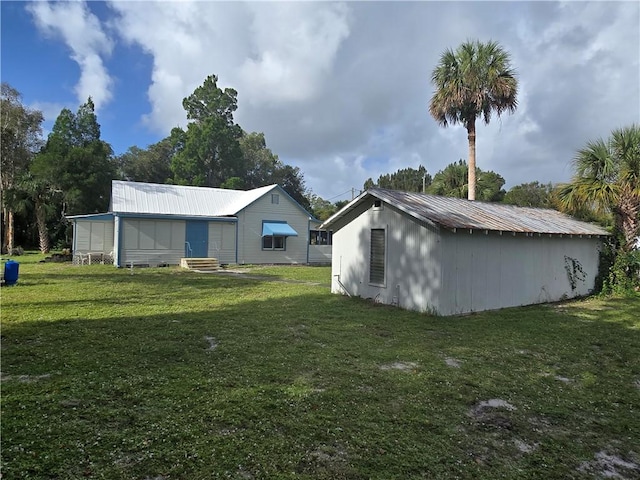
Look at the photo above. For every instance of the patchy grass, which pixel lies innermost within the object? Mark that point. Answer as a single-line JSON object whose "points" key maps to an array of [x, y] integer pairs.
{"points": [[166, 374], [302, 273]]}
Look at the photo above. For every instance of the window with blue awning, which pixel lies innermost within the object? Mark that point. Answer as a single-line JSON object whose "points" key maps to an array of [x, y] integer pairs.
{"points": [[273, 229]]}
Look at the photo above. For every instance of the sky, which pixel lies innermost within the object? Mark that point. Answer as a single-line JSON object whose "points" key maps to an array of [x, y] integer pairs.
{"points": [[340, 90]]}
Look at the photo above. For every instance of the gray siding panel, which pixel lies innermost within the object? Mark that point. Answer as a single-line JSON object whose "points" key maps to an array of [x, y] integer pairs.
{"points": [[222, 241], [250, 236], [152, 242]]}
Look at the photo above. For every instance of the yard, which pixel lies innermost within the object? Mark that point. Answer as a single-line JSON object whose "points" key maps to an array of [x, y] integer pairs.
{"points": [[165, 374]]}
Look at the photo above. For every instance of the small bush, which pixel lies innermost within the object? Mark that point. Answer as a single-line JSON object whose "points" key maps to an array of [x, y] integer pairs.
{"points": [[623, 273]]}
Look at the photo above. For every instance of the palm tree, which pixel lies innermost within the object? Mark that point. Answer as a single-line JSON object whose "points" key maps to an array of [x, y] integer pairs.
{"points": [[34, 194], [607, 180], [472, 82], [452, 181]]}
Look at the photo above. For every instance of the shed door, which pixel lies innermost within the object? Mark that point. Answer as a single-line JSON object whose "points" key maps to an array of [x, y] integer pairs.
{"points": [[197, 239]]}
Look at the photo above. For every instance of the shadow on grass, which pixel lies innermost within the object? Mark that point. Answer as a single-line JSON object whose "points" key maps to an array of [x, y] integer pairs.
{"points": [[304, 384]]}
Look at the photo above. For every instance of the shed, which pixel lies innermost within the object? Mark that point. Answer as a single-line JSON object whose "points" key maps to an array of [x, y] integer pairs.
{"points": [[451, 256], [158, 224]]}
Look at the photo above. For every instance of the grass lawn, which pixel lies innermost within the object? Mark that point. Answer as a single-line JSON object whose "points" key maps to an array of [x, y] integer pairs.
{"points": [[167, 374]]}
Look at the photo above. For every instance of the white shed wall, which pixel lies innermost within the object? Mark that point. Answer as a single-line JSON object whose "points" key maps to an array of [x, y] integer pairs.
{"points": [[412, 267], [250, 231], [435, 270], [486, 272], [151, 241]]}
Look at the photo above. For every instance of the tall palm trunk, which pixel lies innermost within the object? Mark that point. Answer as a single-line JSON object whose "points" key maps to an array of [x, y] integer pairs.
{"points": [[41, 221], [471, 135]]}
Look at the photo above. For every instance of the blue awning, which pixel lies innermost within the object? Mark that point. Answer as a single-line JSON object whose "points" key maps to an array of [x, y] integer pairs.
{"points": [[278, 230]]}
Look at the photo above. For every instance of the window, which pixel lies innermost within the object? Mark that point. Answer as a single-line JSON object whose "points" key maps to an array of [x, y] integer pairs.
{"points": [[377, 204], [377, 257], [320, 237], [275, 198], [270, 242]]}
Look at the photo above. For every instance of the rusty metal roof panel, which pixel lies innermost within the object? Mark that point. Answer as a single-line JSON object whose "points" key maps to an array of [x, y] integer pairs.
{"points": [[456, 213]]}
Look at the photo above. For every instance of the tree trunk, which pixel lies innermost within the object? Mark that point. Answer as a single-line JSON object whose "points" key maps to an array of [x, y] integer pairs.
{"points": [[627, 219], [471, 135], [8, 231], [43, 234]]}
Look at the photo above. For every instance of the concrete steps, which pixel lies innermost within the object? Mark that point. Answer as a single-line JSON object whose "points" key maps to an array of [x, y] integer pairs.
{"points": [[200, 264]]}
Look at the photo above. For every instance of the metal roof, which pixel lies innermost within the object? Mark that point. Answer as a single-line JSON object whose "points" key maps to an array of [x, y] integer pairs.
{"points": [[457, 213], [156, 199]]}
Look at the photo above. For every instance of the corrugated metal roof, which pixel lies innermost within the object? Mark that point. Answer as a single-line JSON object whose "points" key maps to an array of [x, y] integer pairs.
{"points": [[456, 213], [156, 199]]}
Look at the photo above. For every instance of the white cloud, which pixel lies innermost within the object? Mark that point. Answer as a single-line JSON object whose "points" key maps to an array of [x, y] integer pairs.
{"points": [[276, 52], [294, 46], [341, 90], [82, 32]]}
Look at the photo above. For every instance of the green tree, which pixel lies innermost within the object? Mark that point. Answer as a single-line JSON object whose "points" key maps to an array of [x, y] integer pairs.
{"points": [[473, 82], [21, 136], [209, 151], [32, 195], [152, 165], [233, 183], [607, 181], [262, 164], [533, 194], [321, 208], [76, 162], [405, 179], [453, 181]]}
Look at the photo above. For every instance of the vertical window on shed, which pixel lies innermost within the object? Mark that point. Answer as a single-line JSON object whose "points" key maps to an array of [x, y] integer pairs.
{"points": [[275, 198], [376, 259]]}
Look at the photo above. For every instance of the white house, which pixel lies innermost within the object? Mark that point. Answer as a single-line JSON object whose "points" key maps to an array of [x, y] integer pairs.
{"points": [[156, 224], [450, 256]]}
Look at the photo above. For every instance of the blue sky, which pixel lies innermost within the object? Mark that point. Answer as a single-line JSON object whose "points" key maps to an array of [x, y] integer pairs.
{"points": [[340, 90]]}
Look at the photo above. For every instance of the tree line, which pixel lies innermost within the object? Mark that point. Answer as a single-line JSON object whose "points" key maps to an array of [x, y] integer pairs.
{"points": [[71, 171]]}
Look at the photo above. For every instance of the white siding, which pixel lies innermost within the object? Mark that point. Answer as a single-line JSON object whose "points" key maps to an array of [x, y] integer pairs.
{"points": [[436, 270], [250, 231], [222, 241], [486, 272], [93, 236], [152, 242], [412, 270]]}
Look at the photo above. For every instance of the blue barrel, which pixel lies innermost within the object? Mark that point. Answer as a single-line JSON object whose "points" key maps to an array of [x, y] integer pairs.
{"points": [[11, 272]]}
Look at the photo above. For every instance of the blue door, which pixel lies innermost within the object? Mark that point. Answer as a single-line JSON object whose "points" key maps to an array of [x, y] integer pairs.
{"points": [[197, 236]]}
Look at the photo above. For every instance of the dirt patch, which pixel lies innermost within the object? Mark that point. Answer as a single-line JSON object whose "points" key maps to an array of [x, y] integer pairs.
{"points": [[326, 461], [452, 362], [480, 408], [524, 447], [611, 466], [24, 378], [213, 343], [402, 366]]}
